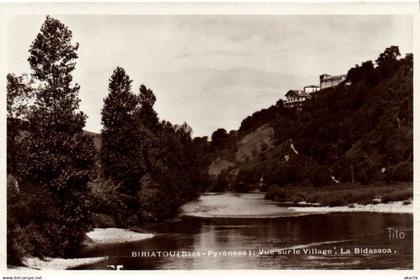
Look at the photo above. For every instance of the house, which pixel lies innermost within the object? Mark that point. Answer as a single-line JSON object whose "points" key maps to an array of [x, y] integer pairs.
{"points": [[311, 88], [295, 99], [327, 81]]}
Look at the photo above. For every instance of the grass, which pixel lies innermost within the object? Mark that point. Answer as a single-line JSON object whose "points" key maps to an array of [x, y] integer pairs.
{"points": [[342, 194]]}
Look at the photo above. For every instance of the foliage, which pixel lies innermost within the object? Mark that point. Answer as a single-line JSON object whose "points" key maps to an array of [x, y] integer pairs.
{"points": [[218, 137], [109, 201], [403, 171], [319, 175], [153, 162], [274, 192], [388, 61], [360, 73], [146, 113], [19, 94], [358, 129], [220, 184], [56, 159], [341, 195], [121, 153]]}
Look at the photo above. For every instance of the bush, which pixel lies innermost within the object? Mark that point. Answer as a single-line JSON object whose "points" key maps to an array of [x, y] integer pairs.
{"points": [[103, 221], [365, 176], [284, 174], [153, 204], [340, 195], [29, 232], [319, 176], [221, 183], [248, 176], [402, 172], [246, 180], [241, 187], [108, 201], [397, 195], [276, 193], [337, 201]]}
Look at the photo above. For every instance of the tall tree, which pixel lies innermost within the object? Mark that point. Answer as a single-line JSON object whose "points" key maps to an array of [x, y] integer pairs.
{"points": [[148, 122], [59, 158], [218, 137], [147, 114], [121, 150], [388, 61]]}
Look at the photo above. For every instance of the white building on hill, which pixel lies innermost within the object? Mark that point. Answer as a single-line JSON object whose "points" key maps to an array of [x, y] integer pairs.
{"points": [[310, 89], [295, 99], [327, 81]]}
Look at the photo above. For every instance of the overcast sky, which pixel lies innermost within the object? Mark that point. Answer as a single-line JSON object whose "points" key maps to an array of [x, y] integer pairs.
{"points": [[212, 71]]}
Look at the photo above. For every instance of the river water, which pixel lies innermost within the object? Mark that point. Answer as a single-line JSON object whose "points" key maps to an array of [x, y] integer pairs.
{"points": [[244, 231]]}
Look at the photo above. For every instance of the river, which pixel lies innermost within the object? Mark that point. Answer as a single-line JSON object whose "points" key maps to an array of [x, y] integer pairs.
{"points": [[244, 231]]}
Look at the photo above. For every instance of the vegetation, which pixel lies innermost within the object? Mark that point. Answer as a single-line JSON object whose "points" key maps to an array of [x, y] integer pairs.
{"points": [[152, 163], [51, 161], [58, 185], [359, 131], [61, 183], [341, 195]]}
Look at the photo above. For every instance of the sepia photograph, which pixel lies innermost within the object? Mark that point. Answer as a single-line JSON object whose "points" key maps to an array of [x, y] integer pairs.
{"points": [[209, 141]]}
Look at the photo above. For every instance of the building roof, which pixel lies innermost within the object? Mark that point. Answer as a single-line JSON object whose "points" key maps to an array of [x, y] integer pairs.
{"points": [[298, 93], [334, 77]]}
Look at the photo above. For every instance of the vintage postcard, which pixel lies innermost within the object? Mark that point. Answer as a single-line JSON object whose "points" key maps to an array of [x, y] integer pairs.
{"points": [[219, 137]]}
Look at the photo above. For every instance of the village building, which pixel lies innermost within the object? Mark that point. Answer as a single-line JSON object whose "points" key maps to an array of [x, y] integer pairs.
{"points": [[327, 81], [311, 88], [296, 98]]}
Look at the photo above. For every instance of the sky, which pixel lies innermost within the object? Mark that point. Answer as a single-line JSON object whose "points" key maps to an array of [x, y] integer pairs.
{"points": [[211, 71]]}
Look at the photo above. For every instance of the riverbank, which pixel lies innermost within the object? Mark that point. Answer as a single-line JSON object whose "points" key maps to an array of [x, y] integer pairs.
{"points": [[253, 205], [403, 207], [100, 236], [56, 263], [343, 194], [96, 237]]}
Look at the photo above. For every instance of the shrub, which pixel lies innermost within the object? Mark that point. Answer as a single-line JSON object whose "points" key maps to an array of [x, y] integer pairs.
{"points": [[276, 193], [152, 204], [401, 172], [108, 201], [319, 176], [337, 201], [365, 176], [25, 236], [248, 176], [221, 183], [102, 220], [397, 195]]}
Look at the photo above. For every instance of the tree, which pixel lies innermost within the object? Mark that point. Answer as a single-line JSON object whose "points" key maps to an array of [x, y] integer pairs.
{"points": [[390, 55], [218, 137], [19, 94], [121, 149], [388, 61], [59, 158], [147, 114], [359, 73]]}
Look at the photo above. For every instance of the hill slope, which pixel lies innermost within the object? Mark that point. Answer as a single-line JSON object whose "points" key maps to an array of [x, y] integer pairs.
{"points": [[360, 130]]}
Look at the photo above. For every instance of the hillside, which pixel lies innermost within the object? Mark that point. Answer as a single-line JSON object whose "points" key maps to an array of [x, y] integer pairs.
{"points": [[359, 131]]}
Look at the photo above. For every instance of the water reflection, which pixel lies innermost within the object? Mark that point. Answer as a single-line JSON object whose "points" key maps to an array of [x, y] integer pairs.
{"points": [[323, 231]]}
